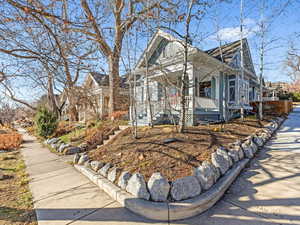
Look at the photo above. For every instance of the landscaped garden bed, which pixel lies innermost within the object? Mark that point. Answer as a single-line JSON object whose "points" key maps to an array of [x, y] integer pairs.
{"points": [[174, 155], [163, 199], [71, 138]]}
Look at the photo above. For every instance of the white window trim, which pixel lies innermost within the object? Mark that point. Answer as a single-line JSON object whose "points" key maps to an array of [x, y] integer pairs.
{"points": [[235, 91]]}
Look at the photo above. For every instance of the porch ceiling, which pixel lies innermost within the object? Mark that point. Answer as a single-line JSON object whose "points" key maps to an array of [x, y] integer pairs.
{"points": [[166, 75]]}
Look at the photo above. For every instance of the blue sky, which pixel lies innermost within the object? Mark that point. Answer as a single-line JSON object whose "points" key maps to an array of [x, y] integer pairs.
{"points": [[226, 16], [282, 30]]}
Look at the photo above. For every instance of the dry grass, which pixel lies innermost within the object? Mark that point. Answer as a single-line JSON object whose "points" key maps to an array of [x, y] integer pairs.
{"points": [[15, 197]]}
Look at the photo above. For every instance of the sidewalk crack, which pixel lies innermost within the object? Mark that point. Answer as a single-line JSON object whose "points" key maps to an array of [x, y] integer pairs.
{"points": [[90, 213], [60, 192]]}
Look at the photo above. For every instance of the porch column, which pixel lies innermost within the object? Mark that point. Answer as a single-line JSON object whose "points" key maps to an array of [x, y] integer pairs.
{"points": [[225, 100], [190, 115], [221, 95]]}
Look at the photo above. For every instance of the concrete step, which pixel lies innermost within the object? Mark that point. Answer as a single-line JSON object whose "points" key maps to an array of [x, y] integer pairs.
{"points": [[123, 127]]}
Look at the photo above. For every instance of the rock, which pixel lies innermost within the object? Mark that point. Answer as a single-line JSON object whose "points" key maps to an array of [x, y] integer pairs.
{"points": [[123, 179], [275, 125], [84, 147], [55, 145], [83, 159], [2, 176], [220, 162], [158, 187], [171, 140], [258, 140], [112, 174], [184, 188], [223, 152], [72, 150], [253, 146], [87, 164], [137, 186], [265, 136], [238, 149], [104, 170], [216, 170], [62, 147], [234, 155], [247, 150], [205, 175], [96, 165], [53, 140], [76, 158]]}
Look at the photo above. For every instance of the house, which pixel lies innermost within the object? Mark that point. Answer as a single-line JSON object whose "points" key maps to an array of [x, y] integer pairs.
{"points": [[216, 91], [93, 97], [275, 89]]}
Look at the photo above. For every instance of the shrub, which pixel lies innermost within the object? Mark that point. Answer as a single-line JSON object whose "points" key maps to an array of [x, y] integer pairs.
{"points": [[117, 115], [46, 122], [63, 128], [296, 96], [94, 136], [10, 141]]}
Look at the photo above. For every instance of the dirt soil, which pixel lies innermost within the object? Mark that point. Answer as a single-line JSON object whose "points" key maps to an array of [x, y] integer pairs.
{"points": [[16, 205], [150, 153]]}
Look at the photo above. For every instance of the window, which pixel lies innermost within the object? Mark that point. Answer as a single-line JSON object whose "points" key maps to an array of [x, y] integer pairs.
{"points": [[140, 93], [231, 86], [252, 94], [213, 87], [205, 89], [196, 87]]}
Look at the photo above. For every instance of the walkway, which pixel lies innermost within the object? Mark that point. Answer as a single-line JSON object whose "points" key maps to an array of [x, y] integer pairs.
{"points": [[266, 193]]}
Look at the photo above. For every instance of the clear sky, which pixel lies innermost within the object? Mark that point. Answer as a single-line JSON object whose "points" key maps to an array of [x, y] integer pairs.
{"points": [[282, 29], [225, 18]]}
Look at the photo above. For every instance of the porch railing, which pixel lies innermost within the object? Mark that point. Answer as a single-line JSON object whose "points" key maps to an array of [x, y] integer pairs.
{"points": [[273, 98], [168, 105], [206, 103]]}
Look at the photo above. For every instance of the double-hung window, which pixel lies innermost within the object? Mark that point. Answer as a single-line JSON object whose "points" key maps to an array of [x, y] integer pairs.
{"points": [[231, 87]]}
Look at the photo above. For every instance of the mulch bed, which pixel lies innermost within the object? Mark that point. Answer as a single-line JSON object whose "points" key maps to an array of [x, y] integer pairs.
{"points": [[162, 149]]}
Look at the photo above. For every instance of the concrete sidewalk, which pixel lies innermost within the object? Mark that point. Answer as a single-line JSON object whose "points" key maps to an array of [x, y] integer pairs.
{"points": [[267, 192]]}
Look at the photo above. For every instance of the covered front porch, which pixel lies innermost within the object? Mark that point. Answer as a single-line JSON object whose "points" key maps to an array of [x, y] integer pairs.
{"points": [[201, 100]]}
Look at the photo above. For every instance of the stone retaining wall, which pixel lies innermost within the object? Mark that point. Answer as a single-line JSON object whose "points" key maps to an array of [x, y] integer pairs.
{"points": [[185, 197]]}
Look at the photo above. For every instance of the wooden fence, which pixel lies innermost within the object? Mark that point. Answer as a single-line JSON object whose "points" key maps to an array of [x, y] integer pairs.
{"points": [[280, 107]]}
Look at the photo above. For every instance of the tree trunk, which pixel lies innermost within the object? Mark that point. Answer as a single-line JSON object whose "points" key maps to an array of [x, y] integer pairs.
{"points": [[51, 96], [183, 89], [73, 112], [113, 63]]}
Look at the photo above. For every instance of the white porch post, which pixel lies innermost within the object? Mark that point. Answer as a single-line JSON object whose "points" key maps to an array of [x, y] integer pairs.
{"points": [[221, 95], [191, 95]]}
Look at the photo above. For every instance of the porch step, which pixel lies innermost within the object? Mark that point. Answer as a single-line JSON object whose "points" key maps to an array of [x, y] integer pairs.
{"points": [[110, 137]]}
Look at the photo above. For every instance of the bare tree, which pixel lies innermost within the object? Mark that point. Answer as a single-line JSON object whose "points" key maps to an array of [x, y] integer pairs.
{"points": [[48, 43], [125, 14], [265, 42], [293, 63]]}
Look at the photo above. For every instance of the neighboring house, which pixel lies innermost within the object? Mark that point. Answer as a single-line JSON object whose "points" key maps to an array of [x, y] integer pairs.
{"points": [[275, 89], [93, 97], [216, 89]]}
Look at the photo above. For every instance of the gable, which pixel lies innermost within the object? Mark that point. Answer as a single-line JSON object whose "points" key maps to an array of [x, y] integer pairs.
{"points": [[90, 82], [230, 53], [236, 59], [165, 49], [248, 64], [161, 46]]}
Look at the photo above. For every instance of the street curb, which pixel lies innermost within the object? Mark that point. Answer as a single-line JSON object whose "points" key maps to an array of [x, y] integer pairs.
{"points": [[166, 211]]}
